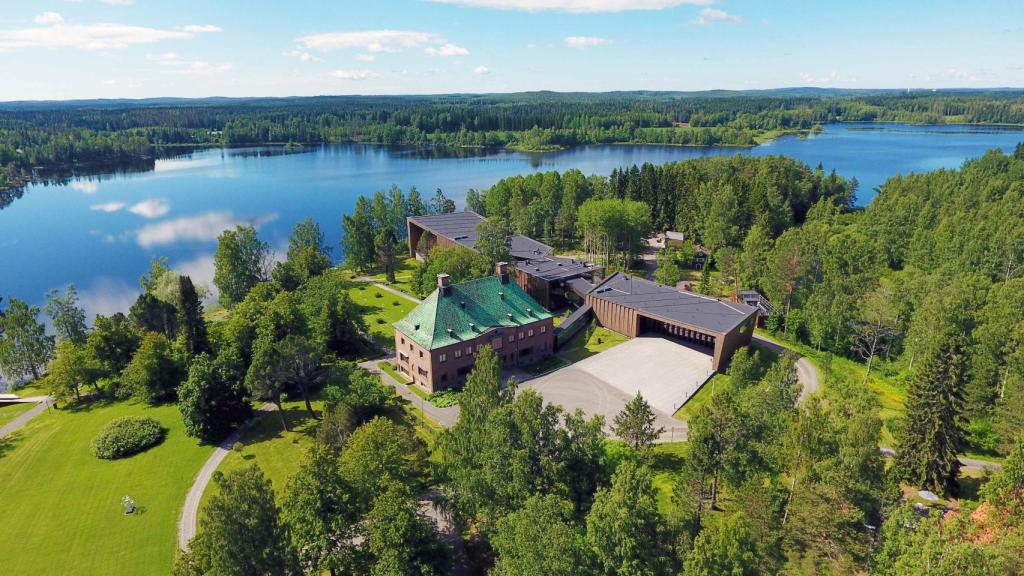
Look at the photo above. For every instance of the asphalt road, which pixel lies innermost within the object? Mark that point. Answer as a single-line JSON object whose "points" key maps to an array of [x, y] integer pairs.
{"points": [[42, 403], [806, 373], [190, 511]]}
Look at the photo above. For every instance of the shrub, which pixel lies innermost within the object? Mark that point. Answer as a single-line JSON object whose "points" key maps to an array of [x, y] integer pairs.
{"points": [[125, 436], [444, 398]]}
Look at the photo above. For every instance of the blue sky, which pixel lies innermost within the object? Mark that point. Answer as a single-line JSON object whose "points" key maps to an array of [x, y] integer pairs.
{"points": [[61, 49]]}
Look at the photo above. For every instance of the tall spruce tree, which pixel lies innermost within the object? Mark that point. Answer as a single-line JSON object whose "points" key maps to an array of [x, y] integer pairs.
{"points": [[190, 318], [934, 434]]}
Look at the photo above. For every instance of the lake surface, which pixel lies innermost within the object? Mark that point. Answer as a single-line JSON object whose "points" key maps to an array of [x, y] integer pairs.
{"points": [[101, 232]]}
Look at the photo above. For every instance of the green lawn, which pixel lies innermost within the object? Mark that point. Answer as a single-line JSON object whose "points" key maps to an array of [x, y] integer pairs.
{"points": [[891, 396], [9, 412], [63, 505], [389, 369], [546, 365], [403, 276], [380, 311], [33, 388], [666, 460], [718, 383], [278, 453], [591, 341]]}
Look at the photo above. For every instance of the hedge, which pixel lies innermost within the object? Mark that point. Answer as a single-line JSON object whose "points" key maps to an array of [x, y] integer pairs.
{"points": [[125, 436]]}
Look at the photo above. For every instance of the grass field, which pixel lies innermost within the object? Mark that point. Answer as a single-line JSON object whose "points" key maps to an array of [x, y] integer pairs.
{"points": [[277, 452], [280, 453], [9, 412], [403, 276], [666, 460], [718, 383], [591, 341], [891, 397], [380, 311], [389, 369], [63, 505]]}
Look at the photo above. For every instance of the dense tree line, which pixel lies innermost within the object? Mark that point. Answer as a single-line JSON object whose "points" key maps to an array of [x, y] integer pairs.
{"points": [[41, 141], [924, 284], [715, 201]]}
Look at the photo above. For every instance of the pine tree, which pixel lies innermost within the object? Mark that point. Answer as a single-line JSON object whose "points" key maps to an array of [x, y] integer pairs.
{"points": [[635, 424], [927, 454]]}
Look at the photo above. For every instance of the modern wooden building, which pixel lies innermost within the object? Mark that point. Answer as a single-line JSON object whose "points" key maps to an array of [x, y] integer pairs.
{"points": [[437, 342], [633, 306]]}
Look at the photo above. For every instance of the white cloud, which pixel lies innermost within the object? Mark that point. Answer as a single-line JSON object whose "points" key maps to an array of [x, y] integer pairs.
{"points": [[106, 295], [369, 40], [481, 70], [48, 18], [447, 49], [833, 77], [109, 207], [709, 16], [577, 6], [85, 186], [364, 57], [200, 269], [177, 65], [100, 36], [585, 41], [302, 55], [354, 74], [200, 228], [202, 28], [152, 208]]}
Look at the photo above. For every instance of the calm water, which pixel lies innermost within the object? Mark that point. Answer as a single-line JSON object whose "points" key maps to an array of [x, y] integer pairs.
{"points": [[101, 232]]}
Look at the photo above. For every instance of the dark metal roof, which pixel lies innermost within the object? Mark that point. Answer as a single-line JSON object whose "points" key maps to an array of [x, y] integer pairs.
{"points": [[456, 226], [580, 286], [696, 310], [524, 248], [555, 267], [460, 227]]}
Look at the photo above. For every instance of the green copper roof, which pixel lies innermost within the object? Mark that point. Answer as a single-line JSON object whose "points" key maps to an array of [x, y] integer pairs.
{"points": [[444, 320]]}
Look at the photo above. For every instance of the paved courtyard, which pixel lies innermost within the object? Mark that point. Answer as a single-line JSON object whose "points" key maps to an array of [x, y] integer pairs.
{"points": [[665, 373]]}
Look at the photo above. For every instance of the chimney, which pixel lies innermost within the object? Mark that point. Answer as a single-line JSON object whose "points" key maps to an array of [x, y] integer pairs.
{"points": [[444, 284], [501, 269]]}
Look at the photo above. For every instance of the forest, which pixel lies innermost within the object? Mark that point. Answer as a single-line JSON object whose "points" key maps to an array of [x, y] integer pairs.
{"points": [[43, 141], [924, 288]]}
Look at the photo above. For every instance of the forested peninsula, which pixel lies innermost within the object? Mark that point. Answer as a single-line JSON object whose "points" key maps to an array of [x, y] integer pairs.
{"points": [[50, 141]]}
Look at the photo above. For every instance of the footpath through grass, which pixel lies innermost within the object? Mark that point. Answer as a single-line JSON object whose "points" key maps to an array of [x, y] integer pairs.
{"points": [[403, 276], [279, 454], [9, 412], [380, 309], [62, 505]]}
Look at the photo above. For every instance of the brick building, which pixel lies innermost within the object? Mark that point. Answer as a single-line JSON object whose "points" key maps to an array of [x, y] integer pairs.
{"points": [[437, 342], [546, 278]]}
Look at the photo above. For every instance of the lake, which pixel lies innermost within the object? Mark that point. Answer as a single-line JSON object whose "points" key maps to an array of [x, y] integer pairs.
{"points": [[101, 232]]}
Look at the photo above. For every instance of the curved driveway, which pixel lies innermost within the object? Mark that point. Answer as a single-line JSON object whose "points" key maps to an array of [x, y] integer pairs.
{"points": [[189, 513]]}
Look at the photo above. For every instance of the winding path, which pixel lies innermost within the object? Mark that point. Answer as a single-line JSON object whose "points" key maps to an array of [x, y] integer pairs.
{"points": [[42, 403], [190, 511], [806, 373]]}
